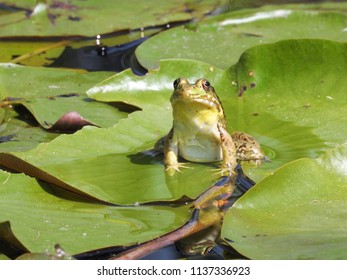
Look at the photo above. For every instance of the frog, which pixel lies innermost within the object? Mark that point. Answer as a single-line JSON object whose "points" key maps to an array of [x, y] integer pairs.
{"points": [[199, 132]]}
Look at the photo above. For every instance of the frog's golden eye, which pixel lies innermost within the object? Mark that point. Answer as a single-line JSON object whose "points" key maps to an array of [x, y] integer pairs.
{"points": [[176, 83], [206, 85]]}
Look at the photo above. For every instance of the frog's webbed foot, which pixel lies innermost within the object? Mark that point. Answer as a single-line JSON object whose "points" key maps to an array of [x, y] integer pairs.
{"points": [[227, 171], [172, 168]]}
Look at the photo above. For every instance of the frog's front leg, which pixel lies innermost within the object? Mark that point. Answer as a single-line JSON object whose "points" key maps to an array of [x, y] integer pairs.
{"points": [[228, 151], [171, 153]]}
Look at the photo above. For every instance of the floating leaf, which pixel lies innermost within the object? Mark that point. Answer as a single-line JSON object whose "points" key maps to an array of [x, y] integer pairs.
{"points": [[51, 94], [101, 162], [41, 219], [222, 39], [291, 96], [80, 17], [297, 213]]}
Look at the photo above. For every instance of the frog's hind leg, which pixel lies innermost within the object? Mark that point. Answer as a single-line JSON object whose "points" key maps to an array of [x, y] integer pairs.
{"points": [[247, 148], [229, 152]]}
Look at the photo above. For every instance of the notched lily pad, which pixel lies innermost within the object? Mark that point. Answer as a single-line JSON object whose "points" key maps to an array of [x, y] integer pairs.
{"points": [[77, 225], [297, 213], [79, 17], [295, 109], [56, 98], [228, 35], [100, 162]]}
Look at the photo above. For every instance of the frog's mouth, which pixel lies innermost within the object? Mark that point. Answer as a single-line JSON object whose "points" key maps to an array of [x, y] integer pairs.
{"points": [[206, 100]]}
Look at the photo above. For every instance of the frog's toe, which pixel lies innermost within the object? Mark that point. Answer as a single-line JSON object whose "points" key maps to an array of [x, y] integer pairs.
{"points": [[227, 172], [172, 168]]}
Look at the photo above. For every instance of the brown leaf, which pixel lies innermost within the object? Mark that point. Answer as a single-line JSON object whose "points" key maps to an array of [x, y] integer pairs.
{"points": [[71, 121]]}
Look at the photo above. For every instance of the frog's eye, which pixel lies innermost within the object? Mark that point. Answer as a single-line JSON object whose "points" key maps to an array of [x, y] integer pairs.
{"points": [[206, 85], [176, 83]]}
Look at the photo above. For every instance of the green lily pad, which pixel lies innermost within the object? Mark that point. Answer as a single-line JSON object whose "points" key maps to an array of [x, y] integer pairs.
{"points": [[79, 17], [78, 226], [103, 162], [291, 96], [222, 39], [55, 98], [50, 94], [297, 213]]}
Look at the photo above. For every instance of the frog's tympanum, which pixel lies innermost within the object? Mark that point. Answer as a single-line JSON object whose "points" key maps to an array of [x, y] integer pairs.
{"points": [[199, 132]]}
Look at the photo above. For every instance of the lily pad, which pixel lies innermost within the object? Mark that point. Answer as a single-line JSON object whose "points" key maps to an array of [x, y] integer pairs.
{"points": [[222, 39], [283, 90], [103, 162], [76, 225], [79, 17], [51, 94], [297, 213]]}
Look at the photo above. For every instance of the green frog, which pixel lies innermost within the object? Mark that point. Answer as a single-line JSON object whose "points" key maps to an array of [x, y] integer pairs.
{"points": [[199, 132]]}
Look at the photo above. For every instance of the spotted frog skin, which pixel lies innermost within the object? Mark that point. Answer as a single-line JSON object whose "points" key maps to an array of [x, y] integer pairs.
{"points": [[199, 132]]}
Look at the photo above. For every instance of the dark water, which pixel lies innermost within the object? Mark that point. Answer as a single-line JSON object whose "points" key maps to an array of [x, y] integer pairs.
{"points": [[102, 58]]}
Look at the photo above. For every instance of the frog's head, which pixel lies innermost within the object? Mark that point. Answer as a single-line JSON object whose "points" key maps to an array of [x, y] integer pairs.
{"points": [[200, 95]]}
